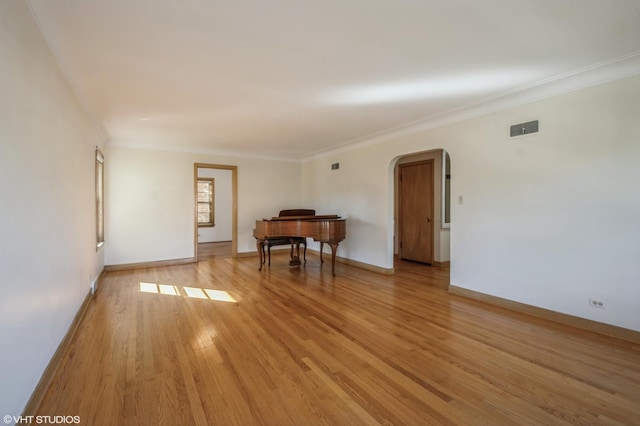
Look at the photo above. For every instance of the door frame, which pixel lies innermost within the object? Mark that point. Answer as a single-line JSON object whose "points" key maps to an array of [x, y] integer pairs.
{"points": [[234, 204], [431, 195], [393, 234]]}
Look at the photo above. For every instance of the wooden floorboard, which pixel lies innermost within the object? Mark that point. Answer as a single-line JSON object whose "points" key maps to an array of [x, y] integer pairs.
{"points": [[208, 251], [300, 347]]}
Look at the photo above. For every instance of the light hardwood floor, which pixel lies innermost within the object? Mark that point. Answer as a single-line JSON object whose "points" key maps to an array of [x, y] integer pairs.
{"points": [[302, 347], [208, 251]]}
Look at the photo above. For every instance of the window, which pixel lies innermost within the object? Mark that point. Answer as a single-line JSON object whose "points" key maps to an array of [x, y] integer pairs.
{"points": [[99, 199], [205, 202]]}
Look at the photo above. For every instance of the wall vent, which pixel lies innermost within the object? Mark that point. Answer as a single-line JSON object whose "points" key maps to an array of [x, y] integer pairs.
{"points": [[523, 128]]}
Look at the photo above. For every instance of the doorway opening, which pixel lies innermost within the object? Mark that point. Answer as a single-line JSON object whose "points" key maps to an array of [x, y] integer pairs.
{"points": [[216, 211], [421, 214]]}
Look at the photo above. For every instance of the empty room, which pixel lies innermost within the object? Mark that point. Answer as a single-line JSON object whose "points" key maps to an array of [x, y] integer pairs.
{"points": [[332, 213]]}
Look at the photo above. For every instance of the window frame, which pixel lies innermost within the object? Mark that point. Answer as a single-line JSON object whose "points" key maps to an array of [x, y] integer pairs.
{"points": [[99, 188], [211, 202]]}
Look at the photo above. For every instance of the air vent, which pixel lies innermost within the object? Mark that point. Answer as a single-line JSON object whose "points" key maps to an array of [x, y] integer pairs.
{"points": [[523, 128]]}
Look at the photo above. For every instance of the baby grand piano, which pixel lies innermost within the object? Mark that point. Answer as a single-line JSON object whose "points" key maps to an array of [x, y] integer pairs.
{"points": [[329, 229]]}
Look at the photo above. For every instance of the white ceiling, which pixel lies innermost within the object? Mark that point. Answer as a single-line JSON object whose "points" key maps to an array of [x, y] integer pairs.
{"points": [[293, 78]]}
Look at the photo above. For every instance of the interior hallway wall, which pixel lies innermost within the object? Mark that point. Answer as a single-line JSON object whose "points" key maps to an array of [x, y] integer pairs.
{"points": [[48, 255], [223, 206]]}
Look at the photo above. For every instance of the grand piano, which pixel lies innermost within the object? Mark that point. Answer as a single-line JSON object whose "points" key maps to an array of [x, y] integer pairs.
{"points": [[327, 229]]}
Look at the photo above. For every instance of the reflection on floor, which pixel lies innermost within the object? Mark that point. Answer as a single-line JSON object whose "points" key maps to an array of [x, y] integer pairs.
{"points": [[217, 250]]}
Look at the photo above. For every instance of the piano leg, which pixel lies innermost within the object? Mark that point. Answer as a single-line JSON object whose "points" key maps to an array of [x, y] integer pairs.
{"points": [[260, 247], [295, 255], [334, 249], [305, 252]]}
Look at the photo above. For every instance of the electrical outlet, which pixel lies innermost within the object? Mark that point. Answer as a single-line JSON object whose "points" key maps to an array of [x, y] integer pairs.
{"points": [[595, 303]]}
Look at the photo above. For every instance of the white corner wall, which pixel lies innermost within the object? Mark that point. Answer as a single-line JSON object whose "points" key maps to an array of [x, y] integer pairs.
{"points": [[47, 214], [549, 220], [358, 191], [150, 201]]}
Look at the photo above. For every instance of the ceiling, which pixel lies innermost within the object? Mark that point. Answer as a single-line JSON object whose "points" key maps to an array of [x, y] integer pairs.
{"points": [[291, 79]]}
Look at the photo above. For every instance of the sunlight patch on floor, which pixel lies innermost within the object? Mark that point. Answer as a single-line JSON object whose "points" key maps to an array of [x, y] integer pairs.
{"points": [[191, 292]]}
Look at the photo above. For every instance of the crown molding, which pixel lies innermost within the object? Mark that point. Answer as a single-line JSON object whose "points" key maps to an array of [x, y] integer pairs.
{"points": [[199, 151], [601, 73]]}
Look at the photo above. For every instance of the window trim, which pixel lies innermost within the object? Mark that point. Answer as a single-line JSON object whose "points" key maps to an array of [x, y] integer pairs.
{"points": [[211, 203], [99, 181]]}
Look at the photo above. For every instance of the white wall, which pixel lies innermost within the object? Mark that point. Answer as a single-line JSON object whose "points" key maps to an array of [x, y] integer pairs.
{"points": [[549, 220], [150, 201], [47, 210], [222, 205], [356, 191]]}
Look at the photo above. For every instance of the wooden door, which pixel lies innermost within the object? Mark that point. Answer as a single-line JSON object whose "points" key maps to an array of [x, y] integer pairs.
{"points": [[416, 211]]}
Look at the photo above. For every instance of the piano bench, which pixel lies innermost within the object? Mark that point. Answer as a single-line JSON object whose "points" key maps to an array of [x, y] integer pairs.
{"points": [[270, 242]]}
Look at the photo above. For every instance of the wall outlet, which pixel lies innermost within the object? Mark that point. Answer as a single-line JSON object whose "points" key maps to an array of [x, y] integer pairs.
{"points": [[596, 303]]}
